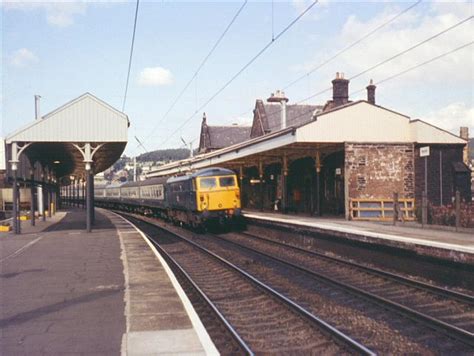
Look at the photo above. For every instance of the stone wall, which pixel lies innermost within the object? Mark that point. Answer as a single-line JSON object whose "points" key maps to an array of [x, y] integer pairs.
{"points": [[378, 170]]}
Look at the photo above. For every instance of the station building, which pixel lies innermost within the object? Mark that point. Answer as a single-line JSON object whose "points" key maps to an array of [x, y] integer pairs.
{"points": [[343, 158]]}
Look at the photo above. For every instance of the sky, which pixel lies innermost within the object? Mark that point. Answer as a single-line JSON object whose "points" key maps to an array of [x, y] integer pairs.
{"points": [[60, 50]]}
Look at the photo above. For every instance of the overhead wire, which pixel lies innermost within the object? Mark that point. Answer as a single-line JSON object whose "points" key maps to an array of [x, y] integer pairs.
{"points": [[413, 47], [387, 60], [345, 49], [131, 55], [196, 72], [395, 56], [394, 75], [236, 75], [348, 47], [418, 66]]}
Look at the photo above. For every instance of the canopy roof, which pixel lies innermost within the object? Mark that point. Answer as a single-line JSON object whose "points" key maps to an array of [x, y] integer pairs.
{"points": [[358, 121], [58, 140]]}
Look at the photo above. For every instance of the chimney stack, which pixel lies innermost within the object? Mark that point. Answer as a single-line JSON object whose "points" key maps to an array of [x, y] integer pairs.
{"points": [[279, 97], [340, 90], [371, 92], [37, 107]]}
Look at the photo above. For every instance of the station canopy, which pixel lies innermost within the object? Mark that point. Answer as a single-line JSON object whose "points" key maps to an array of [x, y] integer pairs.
{"points": [[85, 132]]}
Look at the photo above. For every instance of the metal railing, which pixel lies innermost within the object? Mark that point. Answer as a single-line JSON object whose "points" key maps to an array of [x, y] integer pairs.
{"points": [[382, 209]]}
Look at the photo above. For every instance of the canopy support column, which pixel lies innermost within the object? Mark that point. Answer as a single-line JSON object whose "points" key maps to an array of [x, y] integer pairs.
{"points": [[32, 207], [284, 198], [16, 220], [88, 198], [14, 165], [17, 149], [92, 198], [318, 189]]}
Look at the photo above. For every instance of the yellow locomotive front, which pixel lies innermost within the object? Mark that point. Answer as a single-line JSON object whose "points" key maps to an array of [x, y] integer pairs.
{"points": [[218, 195]]}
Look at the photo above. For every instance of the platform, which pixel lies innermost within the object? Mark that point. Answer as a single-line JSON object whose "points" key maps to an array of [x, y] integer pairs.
{"points": [[433, 241], [106, 292]]}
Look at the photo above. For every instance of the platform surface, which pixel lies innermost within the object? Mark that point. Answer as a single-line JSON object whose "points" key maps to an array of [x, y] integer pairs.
{"points": [[65, 291], [407, 232]]}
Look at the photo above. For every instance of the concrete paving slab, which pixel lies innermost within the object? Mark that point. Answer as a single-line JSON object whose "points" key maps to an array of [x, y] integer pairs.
{"points": [[179, 342], [63, 293]]}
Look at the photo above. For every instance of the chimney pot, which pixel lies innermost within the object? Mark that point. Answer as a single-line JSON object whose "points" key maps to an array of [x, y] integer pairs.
{"points": [[37, 107]]}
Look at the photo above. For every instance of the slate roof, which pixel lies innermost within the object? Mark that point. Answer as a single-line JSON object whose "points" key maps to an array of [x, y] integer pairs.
{"points": [[223, 136], [296, 114]]}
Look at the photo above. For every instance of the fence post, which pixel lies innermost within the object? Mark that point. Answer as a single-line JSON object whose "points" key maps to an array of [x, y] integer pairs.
{"points": [[424, 209], [395, 208], [458, 209]]}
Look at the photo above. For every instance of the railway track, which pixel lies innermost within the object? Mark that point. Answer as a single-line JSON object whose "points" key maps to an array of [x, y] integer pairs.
{"points": [[259, 318], [448, 312]]}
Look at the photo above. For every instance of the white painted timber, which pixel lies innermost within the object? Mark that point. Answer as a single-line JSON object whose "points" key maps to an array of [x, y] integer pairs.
{"points": [[423, 132], [3, 158], [84, 119], [358, 122]]}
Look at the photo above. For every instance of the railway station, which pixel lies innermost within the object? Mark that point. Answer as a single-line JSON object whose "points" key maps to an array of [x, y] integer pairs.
{"points": [[133, 294], [338, 224]]}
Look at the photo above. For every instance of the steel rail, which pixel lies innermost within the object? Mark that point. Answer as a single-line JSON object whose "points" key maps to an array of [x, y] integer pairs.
{"points": [[462, 297], [345, 339], [431, 322]]}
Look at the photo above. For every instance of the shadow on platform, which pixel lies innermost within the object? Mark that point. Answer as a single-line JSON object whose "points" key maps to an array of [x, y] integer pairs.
{"points": [[75, 219]]}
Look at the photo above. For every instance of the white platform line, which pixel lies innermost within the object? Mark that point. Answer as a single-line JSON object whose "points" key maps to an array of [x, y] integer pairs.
{"points": [[23, 248]]}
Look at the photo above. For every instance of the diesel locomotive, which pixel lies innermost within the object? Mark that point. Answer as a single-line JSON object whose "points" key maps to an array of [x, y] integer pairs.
{"points": [[206, 196]]}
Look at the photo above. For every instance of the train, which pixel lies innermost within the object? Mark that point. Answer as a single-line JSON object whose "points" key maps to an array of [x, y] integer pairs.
{"points": [[208, 196]]}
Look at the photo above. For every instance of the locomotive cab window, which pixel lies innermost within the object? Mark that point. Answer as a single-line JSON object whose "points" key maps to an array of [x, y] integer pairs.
{"points": [[207, 183], [227, 181]]}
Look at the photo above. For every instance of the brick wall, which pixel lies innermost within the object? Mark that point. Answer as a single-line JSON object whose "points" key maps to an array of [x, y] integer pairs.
{"points": [[379, 170]]}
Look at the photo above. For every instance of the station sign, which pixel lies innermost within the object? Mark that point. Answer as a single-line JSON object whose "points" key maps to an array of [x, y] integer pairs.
{"points": [[424, 151]]}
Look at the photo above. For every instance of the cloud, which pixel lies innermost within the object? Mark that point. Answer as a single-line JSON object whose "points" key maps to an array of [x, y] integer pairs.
{"points": [[452, 117], [410, 29], [155, 76], [59, 14], [406, 31], [23, 57]]}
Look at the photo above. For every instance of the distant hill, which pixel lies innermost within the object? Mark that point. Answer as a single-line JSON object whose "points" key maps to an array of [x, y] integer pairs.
{"points": [[172, 154]]}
